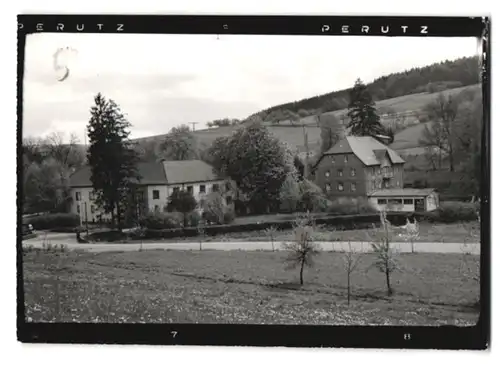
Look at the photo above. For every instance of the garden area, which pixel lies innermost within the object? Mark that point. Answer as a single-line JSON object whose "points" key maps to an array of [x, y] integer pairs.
{"points": [[245, 287]]}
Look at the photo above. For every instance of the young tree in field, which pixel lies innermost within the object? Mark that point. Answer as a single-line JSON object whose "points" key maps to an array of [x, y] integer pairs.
{"points": [[332, 131], [272, 231], [112, 158], [256, 160], [411, 233], [386, 260], [183, 202], [364, 120], [302, 250], [179, 144], [351, 261]]}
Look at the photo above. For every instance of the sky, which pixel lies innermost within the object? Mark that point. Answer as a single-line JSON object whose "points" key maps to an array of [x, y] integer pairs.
{"points": [[161, 81]]}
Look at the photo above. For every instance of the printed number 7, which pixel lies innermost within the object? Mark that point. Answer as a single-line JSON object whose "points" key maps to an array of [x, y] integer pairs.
{"points": [[174, 333]]}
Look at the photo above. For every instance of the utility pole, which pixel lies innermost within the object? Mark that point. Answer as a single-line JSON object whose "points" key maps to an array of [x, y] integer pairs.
{"points": [[193, 123]]}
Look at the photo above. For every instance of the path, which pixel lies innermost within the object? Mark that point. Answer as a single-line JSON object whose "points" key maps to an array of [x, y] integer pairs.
{"points": [[70, 242]]}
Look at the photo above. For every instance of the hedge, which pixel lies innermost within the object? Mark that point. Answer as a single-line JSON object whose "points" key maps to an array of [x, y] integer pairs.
{"points": [[54, 221], [350, 222]]}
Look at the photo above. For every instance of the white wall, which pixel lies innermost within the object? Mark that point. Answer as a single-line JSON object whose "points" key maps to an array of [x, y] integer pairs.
{"points": [[85, 199]]}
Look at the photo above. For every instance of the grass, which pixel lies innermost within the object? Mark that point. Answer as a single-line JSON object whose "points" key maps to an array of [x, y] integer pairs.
{"points": [[242, 287]]}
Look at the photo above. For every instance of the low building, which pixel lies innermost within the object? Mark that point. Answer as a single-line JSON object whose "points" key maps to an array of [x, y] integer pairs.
{"points": [[405, 200], [158, 181]]}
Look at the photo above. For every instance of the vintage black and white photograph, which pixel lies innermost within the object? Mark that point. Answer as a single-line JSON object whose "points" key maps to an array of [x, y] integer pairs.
{"points": [[251, 179]]}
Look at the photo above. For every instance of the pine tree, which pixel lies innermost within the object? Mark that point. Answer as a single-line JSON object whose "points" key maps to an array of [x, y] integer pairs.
{"points": [[112, 159], [364, 120]]}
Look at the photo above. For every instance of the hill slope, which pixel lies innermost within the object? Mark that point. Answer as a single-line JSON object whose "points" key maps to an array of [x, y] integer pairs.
{"points": [[407, 108]]}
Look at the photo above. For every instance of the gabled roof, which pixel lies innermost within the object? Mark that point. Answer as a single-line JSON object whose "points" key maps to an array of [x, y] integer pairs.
{"points": [[402, 192], [151, 174], [188, 171], [364, 147]]}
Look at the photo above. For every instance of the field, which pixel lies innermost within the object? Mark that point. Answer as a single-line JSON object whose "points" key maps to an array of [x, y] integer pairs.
{"points": [[243, 287], [294, 135]]}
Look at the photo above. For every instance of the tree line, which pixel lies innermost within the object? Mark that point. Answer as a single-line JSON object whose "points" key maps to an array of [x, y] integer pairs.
{"points": [[433, 78]]}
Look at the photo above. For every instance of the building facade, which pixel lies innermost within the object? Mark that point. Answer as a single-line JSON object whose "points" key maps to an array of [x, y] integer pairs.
{"points": [[158, 181], [357, 166]]}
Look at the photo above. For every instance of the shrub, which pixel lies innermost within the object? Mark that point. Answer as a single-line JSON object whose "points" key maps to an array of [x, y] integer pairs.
{"points": [[193, 218], [312, 197], [229, 215], [449, 212], [52, 221], [350, 206], [162, 220], [213, 208]]}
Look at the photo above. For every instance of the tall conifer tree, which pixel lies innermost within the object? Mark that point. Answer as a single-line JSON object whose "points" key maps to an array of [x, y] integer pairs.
{"points": [[112, 159], [364, 120]]}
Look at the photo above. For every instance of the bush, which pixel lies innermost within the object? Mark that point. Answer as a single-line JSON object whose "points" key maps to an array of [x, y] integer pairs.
{"points": [[52, 221], [193, 219], [350, 206], [162, 220], [450, 212], [229, 215]]}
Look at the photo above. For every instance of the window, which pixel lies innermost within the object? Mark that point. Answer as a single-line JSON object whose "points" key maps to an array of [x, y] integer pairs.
{"points": [[156, 194], [353, 187], [228, 186], [353, 172], [397, 183], [190, 189], [373, 170], [345, 158], [386, 184], [78, 196], [91, 195], [157, 208], [382, 201], [340, 172], [215, 188], [395, 201], [202, 188], [78, 208], [92, 209], [327, 173], [378, 170], [176, 189], [340, 186], [333, 159], [408, 201], [379, 185], [229, 200], [328, 187]]}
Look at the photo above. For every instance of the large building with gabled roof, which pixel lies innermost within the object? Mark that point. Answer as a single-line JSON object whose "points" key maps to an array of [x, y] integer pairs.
{"points": [[158, 181], [361, 166]]}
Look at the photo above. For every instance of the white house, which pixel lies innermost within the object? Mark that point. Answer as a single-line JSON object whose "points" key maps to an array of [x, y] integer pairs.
{"points": [[406, 200], [158, 181]]}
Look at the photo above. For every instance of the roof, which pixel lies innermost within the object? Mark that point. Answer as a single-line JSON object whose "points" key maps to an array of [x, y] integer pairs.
{"points": [[187, 171], [366, 148], [151, 174], [405, 192]]}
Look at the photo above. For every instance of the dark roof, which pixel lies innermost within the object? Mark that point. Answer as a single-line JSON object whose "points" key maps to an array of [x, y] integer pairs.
{"points": [[366, 148], [151, 174], [188, 171], [405, 192]]}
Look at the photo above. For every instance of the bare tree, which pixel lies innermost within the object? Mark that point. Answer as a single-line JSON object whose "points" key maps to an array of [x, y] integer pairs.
{"points": [[386, 257], [411, 232], [444, 112], [271, 231], [302, 249], [351, 260]]}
